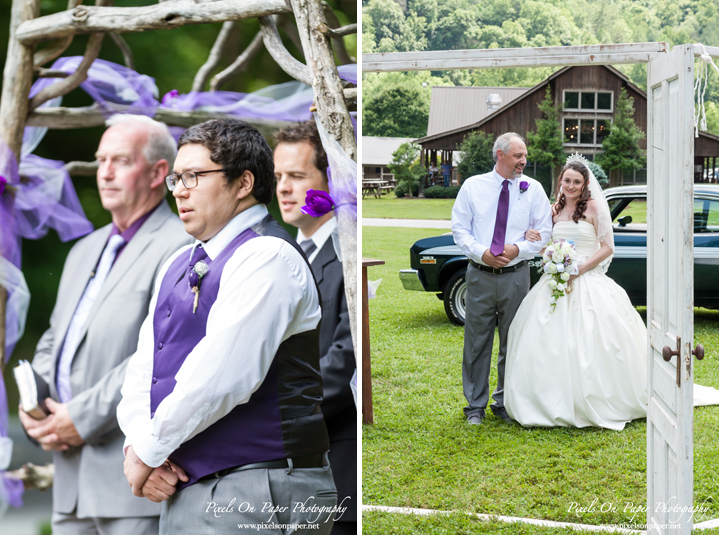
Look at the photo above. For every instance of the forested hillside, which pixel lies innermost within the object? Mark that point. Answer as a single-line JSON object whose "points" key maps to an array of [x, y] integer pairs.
{"points": [[414, 25]]}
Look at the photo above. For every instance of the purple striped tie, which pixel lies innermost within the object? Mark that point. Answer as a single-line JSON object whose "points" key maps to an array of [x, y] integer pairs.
{"points": [[500, 224]]}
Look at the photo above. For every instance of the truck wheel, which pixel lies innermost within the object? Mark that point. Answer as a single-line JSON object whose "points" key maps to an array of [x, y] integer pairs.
{"points": [[454, 293]]}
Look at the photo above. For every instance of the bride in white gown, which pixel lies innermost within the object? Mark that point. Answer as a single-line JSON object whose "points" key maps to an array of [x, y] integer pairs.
{"points": [[583, 364]]}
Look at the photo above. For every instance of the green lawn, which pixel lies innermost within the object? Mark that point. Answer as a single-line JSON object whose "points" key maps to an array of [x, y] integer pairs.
{"points": [[420, 453], [389, 206]]}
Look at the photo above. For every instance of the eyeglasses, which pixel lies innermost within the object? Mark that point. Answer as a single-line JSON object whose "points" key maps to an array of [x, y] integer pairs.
{"points": [[189, 178]]}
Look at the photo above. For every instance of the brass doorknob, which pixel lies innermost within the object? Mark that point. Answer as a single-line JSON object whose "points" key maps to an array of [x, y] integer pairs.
{"points": [[668, 353], [698, 352]]}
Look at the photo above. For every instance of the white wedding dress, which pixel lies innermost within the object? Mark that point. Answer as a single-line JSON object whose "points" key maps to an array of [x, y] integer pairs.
{"points": [[584, 364]]}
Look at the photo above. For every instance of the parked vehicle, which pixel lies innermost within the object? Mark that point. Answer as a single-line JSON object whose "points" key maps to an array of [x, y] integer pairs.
{"points": [[438, 264]]}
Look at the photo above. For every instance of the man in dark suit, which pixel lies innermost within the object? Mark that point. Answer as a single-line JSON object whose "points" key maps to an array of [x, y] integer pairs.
{"points": [[300, 165]]}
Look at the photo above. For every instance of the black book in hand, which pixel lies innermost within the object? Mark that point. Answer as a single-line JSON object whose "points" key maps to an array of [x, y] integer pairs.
{"points": [[33, 390]]}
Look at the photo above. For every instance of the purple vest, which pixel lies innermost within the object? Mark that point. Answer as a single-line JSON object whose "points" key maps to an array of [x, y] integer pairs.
{"points": [[281, 419]]}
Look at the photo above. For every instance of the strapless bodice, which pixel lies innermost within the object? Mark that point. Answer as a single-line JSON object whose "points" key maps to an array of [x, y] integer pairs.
{"points": [[582, 234]]}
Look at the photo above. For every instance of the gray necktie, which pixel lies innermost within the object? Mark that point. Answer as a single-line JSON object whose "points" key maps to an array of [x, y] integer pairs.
{"points": [[74, 331], [308, 246]]}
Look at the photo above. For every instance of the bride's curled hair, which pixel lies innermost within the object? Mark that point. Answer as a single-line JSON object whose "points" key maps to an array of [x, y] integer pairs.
{"points": [[583, 198]]}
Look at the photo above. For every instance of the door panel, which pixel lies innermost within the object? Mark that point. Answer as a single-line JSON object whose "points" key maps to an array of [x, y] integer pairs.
{"points": [[670, 253]]}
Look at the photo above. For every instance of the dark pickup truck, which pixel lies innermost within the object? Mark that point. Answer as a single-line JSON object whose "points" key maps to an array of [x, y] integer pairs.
{"points": [[439, 265]]}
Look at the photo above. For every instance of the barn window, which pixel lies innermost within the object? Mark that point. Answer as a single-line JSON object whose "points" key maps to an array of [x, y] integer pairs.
{"points": [[585, 131], [586, 135], [600, 101], [602, 131], [604, 101], [571, 130], [571, 100]]}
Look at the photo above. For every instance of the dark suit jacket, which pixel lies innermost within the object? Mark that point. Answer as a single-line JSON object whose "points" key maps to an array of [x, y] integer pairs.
{"points": [[337, 365]]}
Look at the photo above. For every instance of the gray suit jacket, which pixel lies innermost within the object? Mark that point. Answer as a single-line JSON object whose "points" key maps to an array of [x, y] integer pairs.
{"points": [[91, 477], [337, 365]]}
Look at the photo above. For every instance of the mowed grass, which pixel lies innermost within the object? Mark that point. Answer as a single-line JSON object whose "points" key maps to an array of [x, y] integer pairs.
{"points": [[420, 452], [389, 206]]}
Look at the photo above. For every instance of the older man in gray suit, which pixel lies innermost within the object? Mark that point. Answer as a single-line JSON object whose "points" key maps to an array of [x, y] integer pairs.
{"points": [[104, 296]]}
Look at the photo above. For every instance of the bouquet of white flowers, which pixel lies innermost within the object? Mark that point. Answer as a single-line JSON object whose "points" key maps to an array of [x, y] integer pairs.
{"points": [[560, 262]]}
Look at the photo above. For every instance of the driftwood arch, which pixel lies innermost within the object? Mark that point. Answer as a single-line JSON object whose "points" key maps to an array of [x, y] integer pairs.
{"points": [[317, 29]]}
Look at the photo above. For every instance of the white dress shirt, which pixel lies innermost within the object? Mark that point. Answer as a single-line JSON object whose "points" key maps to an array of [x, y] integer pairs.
{"points": [[266, 295], [320, 236], [475, 211]]}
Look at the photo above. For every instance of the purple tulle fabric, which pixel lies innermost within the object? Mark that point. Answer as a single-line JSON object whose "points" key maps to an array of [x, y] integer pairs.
{"points": [[113, 87], [283, 102], [11, 490], [9, 241], [348, 72], [44, 199], [342, 174], [47, 199]]}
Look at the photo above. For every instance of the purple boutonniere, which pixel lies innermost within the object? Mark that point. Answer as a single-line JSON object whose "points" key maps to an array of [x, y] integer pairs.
{"points": [[198, 271], [317, 203], [523, 186]]}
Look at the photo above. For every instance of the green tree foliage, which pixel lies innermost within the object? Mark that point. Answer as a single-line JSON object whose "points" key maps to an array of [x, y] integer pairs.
{"points": [[399, 111], [712, 111], [476, 155], [621, 146], [460, 24], [405, 166], [546, 145], [599, 174]]}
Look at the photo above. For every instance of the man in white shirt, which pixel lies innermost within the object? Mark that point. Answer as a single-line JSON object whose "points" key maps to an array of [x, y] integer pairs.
{"points": [[221, 402], [489, 219], [301, 165]]}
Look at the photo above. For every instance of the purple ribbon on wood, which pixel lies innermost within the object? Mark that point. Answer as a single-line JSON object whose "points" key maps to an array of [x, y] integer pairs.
{"points": [[44, 198]]}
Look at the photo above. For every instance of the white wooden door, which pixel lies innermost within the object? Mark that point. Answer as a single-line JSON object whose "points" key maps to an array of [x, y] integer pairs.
{"points": [[670, 253]]}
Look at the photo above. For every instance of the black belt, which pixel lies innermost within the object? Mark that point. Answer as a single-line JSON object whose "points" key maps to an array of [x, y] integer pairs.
{"points": [[309, 461], [499, 271]]}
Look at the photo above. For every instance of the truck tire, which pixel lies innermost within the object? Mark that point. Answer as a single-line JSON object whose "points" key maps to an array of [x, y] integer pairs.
{"points": [[454, 294]]}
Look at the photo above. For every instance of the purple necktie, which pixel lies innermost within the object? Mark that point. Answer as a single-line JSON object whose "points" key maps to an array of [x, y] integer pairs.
{"points": [[500, 224]]}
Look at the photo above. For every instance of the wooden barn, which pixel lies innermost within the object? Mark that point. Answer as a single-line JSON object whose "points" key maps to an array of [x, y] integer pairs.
{"points": [[588, 95]]}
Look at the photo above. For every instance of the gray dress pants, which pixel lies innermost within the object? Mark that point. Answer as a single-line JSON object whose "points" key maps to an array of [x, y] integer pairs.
{"points": [[269, 501], [490, 298], [69, 524]]}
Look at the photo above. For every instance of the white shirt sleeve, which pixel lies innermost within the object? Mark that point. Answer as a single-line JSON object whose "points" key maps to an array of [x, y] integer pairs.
{"points": [[462, 220], [266, 295], [540, 219]]}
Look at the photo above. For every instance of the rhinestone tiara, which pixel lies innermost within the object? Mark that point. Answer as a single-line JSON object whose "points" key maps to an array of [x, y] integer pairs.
{"points": [[576, 157]]}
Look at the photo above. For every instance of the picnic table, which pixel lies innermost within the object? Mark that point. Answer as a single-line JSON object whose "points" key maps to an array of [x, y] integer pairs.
{"points": [[367, 411], [375, 186]]}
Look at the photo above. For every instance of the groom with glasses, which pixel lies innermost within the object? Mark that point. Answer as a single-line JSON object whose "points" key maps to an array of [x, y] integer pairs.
{"points": [[221, 402], [489, 218]]}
